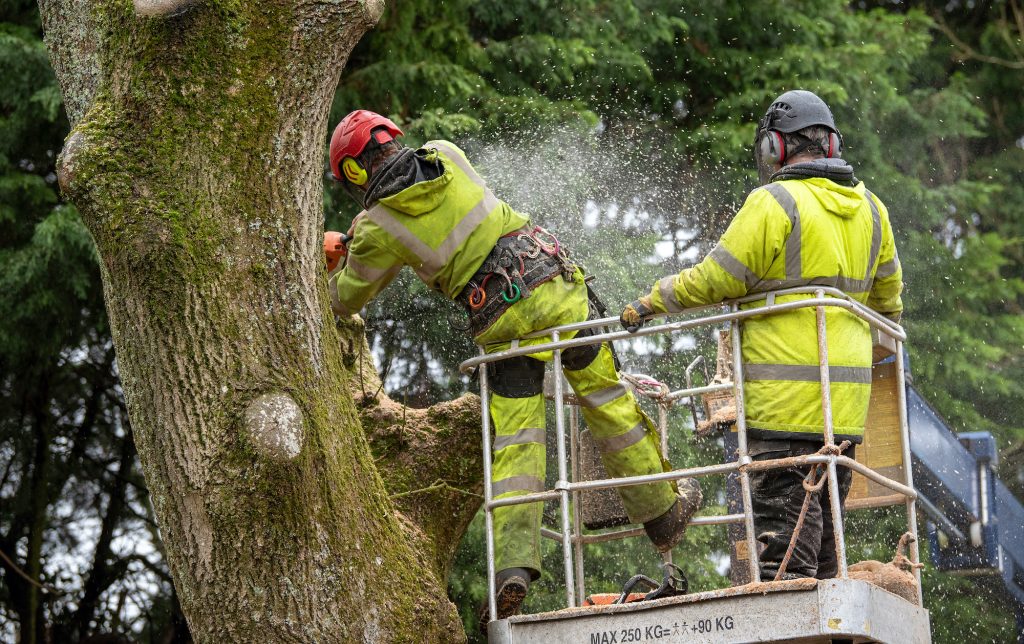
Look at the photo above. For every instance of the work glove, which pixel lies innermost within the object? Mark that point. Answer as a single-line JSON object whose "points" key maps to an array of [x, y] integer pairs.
{"points": [[634, 315]]}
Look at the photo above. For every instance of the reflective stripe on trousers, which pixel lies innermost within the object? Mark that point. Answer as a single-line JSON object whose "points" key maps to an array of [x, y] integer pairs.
{"points": [[628, 446]]}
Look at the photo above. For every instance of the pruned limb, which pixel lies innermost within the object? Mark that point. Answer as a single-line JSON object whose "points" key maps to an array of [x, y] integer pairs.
{"points": [[273, 423], [427, 457], [163, 8]]}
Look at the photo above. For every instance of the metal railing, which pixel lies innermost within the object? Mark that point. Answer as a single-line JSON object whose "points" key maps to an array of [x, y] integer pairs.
{"points": [[571, 534]]}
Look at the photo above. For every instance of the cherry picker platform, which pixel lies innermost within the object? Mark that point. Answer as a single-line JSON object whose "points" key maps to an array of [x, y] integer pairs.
{"points": [[803, 610], [799, 610]]}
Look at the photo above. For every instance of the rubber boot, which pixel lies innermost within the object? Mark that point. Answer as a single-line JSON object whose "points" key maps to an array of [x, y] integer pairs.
{"points": [[510, 586], [667, 530]]}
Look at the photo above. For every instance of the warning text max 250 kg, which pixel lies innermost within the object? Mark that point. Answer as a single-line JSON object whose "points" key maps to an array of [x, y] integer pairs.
{"points": [[658, 631]]}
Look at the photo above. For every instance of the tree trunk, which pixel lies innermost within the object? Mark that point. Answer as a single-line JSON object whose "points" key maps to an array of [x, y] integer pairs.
{"points": [[196, 160]]}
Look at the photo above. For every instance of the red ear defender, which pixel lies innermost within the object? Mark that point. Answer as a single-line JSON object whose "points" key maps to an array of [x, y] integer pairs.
{"points": [[835, 146], [779, 145]]}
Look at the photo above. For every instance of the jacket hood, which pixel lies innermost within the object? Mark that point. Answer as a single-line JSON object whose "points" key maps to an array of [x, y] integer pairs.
{"points": [[831, 181], [413, 182], [843, 201]]}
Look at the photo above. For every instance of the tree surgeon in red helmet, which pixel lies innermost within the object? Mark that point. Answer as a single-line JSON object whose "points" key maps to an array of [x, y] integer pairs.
{"points": [[429, 209]]}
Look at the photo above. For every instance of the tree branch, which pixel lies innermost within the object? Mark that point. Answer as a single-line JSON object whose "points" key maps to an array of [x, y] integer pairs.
{"points": [[413, 446], [966, 52], [13, 567]]}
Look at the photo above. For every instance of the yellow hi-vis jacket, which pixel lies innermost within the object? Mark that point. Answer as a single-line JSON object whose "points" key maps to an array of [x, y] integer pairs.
{"points": [[799, 233], [443, 228]]}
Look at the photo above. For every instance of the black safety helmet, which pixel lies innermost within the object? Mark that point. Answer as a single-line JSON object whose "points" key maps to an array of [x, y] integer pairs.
{"points": [[793, 111]]}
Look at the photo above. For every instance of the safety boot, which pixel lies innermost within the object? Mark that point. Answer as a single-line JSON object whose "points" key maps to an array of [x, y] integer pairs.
{"points": [[667, 530], [511, 585]]}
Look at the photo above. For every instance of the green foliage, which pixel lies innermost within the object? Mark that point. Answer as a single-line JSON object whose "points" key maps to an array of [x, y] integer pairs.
{"points": [[964, 256]]}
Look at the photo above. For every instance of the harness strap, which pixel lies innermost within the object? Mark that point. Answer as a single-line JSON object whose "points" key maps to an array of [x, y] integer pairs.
{"points": [[519, 262]]}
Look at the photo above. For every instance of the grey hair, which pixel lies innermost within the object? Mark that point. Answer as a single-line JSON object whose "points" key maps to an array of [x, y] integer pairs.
{"points": [[816, 133]]}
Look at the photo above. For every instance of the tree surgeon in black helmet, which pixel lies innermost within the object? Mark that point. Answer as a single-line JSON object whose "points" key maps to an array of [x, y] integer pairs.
{"points": [[812, 223]]}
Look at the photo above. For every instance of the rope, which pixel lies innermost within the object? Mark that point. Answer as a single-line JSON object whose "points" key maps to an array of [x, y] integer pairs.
{"points": [[901, 553], [810, 487], [645, 385]]}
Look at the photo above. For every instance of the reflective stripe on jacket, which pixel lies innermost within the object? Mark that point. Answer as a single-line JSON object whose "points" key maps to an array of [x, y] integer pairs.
{"points": [[798, 233], [442, 228]]}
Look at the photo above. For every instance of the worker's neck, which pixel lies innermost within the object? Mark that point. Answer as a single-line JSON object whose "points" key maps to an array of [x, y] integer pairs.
{"points": [[804, 157]]}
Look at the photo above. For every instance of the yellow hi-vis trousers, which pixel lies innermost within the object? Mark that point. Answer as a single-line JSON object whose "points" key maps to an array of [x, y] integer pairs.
{"points": [[627, 439]]}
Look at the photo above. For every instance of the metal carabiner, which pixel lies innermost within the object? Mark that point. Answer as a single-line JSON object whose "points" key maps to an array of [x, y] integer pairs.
{"points": [[534, 245]]}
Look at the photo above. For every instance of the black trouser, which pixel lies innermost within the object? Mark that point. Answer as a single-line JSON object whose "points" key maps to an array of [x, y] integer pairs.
{"points": [[777, 497]]}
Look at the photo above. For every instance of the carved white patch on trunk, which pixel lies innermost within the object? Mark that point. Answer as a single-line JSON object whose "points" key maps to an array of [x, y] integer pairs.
{"points": [[162, 7], [274, 425]]}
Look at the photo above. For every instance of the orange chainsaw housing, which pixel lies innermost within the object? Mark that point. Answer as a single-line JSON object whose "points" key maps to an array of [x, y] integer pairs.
{"points": [[334, 249]]}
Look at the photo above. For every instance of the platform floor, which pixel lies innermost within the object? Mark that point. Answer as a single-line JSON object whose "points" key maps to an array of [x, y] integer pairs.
{"points": [[802, 611]]}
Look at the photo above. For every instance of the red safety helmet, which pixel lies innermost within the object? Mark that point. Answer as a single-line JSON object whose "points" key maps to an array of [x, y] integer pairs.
{"points": [[353, 134]]}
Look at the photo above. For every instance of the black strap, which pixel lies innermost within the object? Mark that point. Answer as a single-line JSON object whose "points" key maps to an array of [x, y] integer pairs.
{"points": [[671, 585]]}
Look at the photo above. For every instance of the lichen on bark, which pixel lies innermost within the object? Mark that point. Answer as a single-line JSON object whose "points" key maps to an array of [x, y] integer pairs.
{"points": [[196, 162]]}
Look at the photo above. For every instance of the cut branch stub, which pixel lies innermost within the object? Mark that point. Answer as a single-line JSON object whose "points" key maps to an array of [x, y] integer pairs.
{"points": [[273, 423]]}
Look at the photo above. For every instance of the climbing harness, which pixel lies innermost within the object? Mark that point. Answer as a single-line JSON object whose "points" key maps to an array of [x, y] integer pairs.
{"points": [[520, 262]]}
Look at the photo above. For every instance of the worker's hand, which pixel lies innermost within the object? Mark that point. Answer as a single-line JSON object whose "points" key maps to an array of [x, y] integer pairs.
{"points": [[355, 221], [634, 315], [336, 244]]}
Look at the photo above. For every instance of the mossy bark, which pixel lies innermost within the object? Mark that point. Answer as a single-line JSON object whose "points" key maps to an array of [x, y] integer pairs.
{"points": [[196, 162]]}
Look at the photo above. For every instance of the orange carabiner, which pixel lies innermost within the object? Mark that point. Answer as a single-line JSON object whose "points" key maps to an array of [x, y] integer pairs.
{"points": [[477, 298]]}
